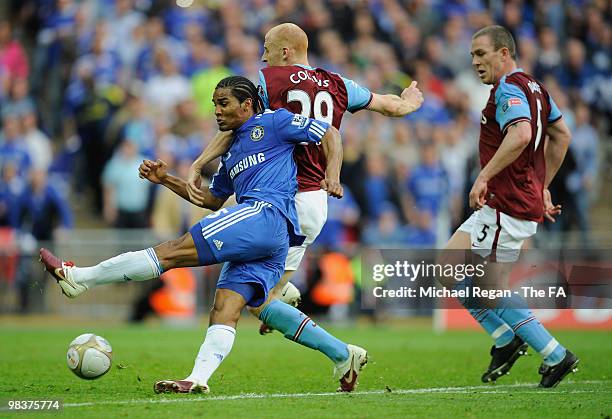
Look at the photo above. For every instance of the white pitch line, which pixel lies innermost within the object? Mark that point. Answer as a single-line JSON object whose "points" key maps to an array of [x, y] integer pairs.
{"points": [[250, 396]]}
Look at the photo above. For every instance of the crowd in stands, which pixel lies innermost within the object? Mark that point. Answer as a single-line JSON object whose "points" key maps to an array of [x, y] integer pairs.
{"points": [[89, 88]]}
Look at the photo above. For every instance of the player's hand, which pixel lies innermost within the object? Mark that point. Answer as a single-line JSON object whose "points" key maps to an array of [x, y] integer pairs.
{"points": [[478, 193], [153, 171], [333, 188], [412, 96], [550, 210], [194, 182]]}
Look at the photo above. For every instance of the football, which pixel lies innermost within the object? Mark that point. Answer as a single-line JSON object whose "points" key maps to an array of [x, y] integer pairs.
{"points": [[89, 356]]}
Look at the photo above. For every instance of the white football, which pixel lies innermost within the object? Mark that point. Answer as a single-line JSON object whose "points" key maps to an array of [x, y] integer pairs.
{"points": [[89, 356]]}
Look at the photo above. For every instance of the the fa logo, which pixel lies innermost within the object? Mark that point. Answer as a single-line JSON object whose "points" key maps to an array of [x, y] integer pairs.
{"points": [[257, 133], [483, 119]]}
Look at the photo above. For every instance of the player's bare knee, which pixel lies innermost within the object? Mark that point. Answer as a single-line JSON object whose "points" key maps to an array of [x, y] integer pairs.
{"points": [[164, 255], [226, 308], [224, 314], [174, 253]]}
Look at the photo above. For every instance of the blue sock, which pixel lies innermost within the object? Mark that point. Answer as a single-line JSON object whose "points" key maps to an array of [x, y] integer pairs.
{"points": [[298, 327], [498, 329], [515, 312]]}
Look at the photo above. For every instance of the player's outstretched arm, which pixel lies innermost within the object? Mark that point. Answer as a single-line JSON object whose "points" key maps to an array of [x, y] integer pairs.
{"points": [[216, 148], [157, 172], [513, 144], [332, 149], [392, 105]]}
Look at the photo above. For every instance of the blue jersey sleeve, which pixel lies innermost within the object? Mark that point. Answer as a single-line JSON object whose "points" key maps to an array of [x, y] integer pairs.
{"points": [[358, 96], [293, 128], [221, 185], [263, 90], [511, 105], [555, 113]]}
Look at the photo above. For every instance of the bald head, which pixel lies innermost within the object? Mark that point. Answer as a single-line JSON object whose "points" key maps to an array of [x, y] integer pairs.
{"points": [[286, 44]]}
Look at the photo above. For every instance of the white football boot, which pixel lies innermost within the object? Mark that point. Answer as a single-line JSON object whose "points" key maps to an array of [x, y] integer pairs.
{"points": [[349, 370], [60, 270]]}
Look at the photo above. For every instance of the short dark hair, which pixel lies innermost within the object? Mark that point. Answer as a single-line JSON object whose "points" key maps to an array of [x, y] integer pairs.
{"points": [[500, 36], [243, 89]]}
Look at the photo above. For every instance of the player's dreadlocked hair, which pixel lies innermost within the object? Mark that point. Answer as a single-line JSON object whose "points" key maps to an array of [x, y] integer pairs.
{"points": [[500, 36], [242, 88]]}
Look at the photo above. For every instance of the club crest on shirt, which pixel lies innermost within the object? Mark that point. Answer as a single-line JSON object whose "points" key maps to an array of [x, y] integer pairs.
{"points": [[257, 133]]}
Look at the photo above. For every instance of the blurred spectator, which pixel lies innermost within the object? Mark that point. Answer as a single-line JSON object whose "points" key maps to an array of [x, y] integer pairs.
{"points": [[125, 194], [19, 101], [36, 142], [100, 60], [575, 74], [386, 231], [121, 28], [137, 125], [41, 209], [166, 89], [581, 182], [12, 147], [54, 57], [376, 185], [434, 53], [177, 19], [426, 194], [12, 56], [549, 57], [92, 112], [11, 188], [457, 44], [40, 215], [204, 81]]}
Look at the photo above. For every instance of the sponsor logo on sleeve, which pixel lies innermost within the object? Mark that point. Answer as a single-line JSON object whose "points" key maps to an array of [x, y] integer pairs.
{"points": [[299, 121], [513, 101]]}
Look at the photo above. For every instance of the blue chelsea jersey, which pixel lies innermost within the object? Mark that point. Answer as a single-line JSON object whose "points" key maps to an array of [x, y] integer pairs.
{"points": [[259, 163]]}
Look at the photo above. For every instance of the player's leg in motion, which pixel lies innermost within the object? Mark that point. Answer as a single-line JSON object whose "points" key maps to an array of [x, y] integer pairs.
{"points": [[495, 327], [298, 327], [507, 347], [217, 343], [311, 207], [253, 279], [284, 291], [141, 265], [557, 360], [504, 250]]}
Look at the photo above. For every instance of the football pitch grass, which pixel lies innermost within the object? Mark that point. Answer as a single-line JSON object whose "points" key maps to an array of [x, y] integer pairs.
{"points": [[412, 373]]}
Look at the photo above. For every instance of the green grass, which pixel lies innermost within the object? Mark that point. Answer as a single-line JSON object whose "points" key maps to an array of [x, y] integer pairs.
{"points": [[404, 363]]}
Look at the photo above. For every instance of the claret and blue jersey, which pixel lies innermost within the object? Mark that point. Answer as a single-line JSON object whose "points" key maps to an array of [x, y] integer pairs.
{"points": [[314, 93], [517, 189]]}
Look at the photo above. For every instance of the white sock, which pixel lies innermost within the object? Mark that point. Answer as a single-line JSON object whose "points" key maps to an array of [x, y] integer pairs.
{"points": [[217, 345], [130, 266]]}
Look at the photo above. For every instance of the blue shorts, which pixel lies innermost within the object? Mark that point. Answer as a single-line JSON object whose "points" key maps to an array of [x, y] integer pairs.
{"points": [[253, 239]]}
